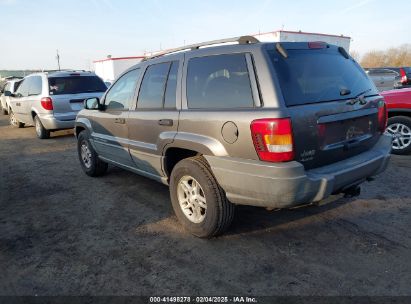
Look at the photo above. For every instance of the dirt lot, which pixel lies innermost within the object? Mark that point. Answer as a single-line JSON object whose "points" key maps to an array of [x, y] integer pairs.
{"points": [[62, 232]]}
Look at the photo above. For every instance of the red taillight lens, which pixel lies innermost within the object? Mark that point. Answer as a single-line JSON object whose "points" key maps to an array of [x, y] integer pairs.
{"points": [[404, 78], [47, 103], [382, 116], [273, 139]]}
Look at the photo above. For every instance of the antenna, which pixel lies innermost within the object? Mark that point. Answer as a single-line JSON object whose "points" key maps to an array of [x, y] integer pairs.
{"points": [[58, 59]]}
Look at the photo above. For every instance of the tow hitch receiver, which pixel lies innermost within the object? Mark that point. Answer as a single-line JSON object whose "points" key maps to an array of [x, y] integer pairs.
{"points": [[352, 191]]}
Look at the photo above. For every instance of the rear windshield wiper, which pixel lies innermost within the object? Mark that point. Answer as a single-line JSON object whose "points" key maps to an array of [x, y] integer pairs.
{"points": [[359, 97], [362, 94]]}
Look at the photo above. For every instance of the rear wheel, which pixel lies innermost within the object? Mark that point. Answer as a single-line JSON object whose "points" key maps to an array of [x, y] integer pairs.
{"points": [[14, 121], [91, 164], [41, 132], [399, 127], [3, 110], [198, 201]]}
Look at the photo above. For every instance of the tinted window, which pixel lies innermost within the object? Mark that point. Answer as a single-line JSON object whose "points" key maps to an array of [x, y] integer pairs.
{"points": [[310, 76], [170, 95], [121, 93], [16, 85], [153, 85], [23, 89], [35, 86], [219, 82], [75, 85]]}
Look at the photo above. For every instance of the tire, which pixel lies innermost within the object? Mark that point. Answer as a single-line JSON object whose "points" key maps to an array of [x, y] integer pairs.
{"points": [[14, 122], [41, 131], [400, 128], [91, 164], [219, 212]]}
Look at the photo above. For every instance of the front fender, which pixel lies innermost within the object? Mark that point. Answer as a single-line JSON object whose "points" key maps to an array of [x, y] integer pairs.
{"points": [[83, 123]]}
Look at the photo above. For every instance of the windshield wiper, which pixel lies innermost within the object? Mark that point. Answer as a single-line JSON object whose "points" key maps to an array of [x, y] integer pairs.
{"points": [[359, 98]]}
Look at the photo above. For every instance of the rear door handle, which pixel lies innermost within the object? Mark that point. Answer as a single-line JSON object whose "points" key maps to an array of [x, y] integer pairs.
{"points": [[120, 121], [166, 122]]}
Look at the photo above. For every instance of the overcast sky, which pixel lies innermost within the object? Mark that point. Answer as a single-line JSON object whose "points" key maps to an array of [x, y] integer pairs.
{"points": [[87, 30]]}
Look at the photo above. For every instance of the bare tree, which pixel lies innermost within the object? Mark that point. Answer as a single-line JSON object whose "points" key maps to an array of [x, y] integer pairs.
{"points": [[354, 54], [398, 56]]}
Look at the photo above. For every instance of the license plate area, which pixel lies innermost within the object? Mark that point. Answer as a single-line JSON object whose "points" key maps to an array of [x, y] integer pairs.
{"points": [[77, 104], [338, 134]]}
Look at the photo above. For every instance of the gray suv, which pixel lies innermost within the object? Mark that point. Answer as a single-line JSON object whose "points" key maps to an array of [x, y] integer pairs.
{"points": [[273, 125], [51, 101]]}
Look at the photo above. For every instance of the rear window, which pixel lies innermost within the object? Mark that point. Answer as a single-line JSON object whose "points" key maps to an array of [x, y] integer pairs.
{"points": [[75, 85], [312, 76]]}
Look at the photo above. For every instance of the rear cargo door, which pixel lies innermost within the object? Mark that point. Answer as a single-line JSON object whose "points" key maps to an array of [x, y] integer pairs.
{"points": [[332, 103], [69, 92]]}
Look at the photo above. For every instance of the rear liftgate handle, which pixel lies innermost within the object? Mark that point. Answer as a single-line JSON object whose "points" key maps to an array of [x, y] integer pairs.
{"points": [[120, 121], [166, 122]]}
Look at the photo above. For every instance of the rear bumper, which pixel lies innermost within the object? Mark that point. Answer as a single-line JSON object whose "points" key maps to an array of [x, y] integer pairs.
{"points": [[284, 185], [50, 122]]}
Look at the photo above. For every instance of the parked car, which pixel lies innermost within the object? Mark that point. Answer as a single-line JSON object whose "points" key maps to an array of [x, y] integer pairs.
{"points": [[389, 78], [273, 125], [51, 101], [384, 79], [399, 122], [10, 86]]}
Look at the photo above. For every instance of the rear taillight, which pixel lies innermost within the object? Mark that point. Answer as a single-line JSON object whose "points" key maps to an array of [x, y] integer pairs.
{"points": [[404, 78], [47, 103], [382, 116], [273, 139]]}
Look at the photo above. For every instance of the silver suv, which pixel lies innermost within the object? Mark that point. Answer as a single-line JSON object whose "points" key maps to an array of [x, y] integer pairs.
{"points": [[273, 125], [11, 86], [51, 101]]}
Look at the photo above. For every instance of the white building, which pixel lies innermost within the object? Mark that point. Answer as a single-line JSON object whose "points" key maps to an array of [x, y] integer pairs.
{"points": [[110, 68], [289, 36]]}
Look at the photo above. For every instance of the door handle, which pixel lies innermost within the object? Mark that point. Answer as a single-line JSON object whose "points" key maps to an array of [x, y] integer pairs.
{"points": [[120, 120], [166, 122]]}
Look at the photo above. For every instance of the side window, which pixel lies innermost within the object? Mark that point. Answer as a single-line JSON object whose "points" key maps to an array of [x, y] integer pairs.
{"points": [[7, 87], [16, 85], [152, 87], [35, 86], [23, 89], [220, 81], [121, 93], [171, 88]]}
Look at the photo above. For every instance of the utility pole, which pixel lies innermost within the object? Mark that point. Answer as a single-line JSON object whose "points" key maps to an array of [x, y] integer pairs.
{"points": [[58, 60]]}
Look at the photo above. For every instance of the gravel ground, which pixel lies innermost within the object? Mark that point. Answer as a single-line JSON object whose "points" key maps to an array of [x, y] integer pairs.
{"points": [[63, 233]]}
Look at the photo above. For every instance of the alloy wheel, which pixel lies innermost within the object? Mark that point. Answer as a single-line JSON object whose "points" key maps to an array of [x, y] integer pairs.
{"points": [[401, 135], [85, 154], [13, 119], [192, 199]]}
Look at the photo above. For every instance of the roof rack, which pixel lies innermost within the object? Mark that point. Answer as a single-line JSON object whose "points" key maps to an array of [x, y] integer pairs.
{"points": [[240, 40]]}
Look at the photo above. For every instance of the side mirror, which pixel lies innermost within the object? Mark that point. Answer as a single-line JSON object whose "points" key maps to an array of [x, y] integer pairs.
{"points": [[93, 104], [8, 94]]}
